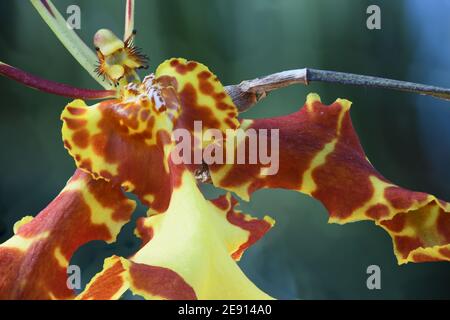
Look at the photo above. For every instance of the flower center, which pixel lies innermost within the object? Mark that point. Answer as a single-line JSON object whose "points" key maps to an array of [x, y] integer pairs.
{"points": [[118, 60]]}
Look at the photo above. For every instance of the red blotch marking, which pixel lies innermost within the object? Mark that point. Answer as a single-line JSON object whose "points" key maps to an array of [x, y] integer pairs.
{"points": [[204, 75], [99, 144], [401, 198], [406, 244], [396, 224], [206, 87], [445, 252], [106, 285], [161, 282], [377, 211], [75, 124], [220, 95], [67, 144], [182, 68], [230, 123], [168, 81], [87, 164], [144, 115], [256, 228], [421, 257], [224, 106], [145, 233], [192, 111], [76, 111], [81, 138], [221, 202]]}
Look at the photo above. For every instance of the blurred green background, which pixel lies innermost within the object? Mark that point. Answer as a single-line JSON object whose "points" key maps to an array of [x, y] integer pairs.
{"points": [[405, 136]]}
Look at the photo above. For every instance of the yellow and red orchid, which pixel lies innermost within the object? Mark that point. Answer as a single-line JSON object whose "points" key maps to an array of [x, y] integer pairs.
{"points": [[33, 263], [190, 245]]}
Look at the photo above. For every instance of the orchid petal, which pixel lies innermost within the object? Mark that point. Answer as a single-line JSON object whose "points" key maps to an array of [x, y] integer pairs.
{"points": [[320, 155], [126, 141], [202, 96], [189, 254], [33, 263], [204, 103]]}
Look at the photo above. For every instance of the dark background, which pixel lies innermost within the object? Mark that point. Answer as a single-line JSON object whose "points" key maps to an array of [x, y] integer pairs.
{"points": [[405, 136]]}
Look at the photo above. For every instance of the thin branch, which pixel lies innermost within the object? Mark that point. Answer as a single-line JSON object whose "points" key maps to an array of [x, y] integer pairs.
{"points": [[53, 87], [249, 92]]}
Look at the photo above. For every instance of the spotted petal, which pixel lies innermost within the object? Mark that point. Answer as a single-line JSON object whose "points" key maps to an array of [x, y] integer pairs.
{"points": [[320, 155], [33, 263], [204, 105], [188, 252], [202, 96], [126, 141]]}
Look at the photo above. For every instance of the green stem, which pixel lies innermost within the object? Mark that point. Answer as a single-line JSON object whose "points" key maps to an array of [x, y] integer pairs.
{"points": [[79, 50]]}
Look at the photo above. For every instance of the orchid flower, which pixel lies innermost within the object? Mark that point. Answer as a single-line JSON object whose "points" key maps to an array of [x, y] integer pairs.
{"points": [[190, 245]]}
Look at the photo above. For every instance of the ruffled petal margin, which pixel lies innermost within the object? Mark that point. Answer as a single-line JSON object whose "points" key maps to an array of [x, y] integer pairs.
{"points": [[125, 142], [320, 155]]}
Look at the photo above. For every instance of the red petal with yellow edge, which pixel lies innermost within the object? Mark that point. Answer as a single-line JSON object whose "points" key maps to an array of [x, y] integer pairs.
{"points": [[320, 155], [33, 263], [203, 100], [109, 284], [202, 96], [256, 228], [126, 141], [119, 274], [191, 247]]}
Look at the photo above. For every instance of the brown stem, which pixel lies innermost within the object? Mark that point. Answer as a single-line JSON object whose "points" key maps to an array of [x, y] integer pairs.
{"points": [[249, 92]]}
